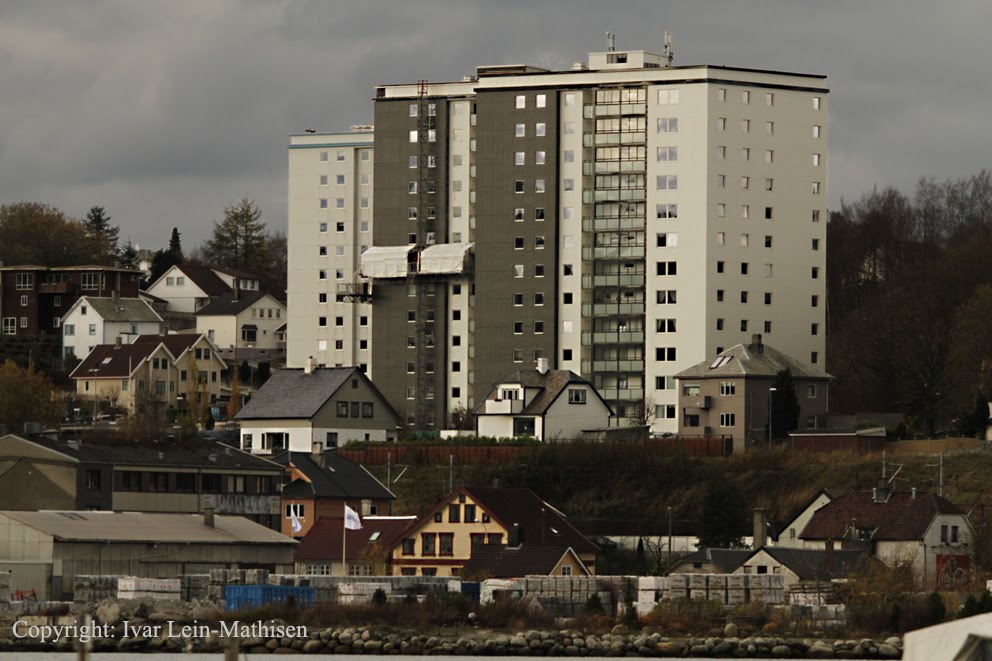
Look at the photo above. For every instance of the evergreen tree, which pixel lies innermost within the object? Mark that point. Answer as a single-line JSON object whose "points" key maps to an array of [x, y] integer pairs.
{"points": [[724, 516], [785, 406], [102, 234], [175, 246], [163, 260], [238, 241], [129, 256]]}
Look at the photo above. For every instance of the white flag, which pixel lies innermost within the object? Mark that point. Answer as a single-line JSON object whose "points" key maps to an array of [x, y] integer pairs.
{"points": [[351, 520], [297, 526]]}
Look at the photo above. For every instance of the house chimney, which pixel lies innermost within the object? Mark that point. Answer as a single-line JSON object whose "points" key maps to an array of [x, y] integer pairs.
{"points": [[542, 365], [881, 494], [317, 454], [208, 517], [913, 492], [760, 528], [118, 342], [756, 344], [308, 367], [514, 537]]}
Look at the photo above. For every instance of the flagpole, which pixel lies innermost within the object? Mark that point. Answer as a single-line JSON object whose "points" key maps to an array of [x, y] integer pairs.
{"points": [[344, 539]]}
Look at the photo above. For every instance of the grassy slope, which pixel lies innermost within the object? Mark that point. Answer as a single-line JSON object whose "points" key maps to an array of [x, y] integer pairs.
{"points": [[628, 483]]}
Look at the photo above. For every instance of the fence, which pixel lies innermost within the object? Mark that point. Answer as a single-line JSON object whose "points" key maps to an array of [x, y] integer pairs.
{"points": [[482, 455]]}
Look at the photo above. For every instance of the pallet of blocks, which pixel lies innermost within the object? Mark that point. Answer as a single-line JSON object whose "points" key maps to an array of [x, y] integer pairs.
{"points": [[736, 589], [361, 593], [94, 587], [132, 587], [716, 588], [678, 586], [650, 590], [5, 581], [194, 586]]}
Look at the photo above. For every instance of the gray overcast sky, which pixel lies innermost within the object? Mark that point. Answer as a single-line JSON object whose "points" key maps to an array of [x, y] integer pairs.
{"points": [[163, 111]]}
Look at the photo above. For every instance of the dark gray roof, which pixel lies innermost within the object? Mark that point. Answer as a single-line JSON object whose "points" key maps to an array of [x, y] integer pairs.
{"points": [[292, 393], [204, 454], [752, 360], [228, 304], [122, 309], [339, 478], [726, 560], [815, 564], [499, 561]]}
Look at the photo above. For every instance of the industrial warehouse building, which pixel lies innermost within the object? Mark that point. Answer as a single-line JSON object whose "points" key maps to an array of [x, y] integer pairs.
{"points": [[45, 551]]}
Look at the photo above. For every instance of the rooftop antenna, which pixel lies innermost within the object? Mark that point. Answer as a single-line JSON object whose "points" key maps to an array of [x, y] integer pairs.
{"points": [[669, 51], [611, 41]]}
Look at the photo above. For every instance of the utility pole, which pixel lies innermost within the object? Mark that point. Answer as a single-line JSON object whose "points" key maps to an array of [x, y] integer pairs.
{"points": [[669, 508]]}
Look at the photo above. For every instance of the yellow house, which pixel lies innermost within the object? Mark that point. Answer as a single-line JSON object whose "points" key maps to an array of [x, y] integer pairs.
{"points": [[181, 370], [471, 520]]}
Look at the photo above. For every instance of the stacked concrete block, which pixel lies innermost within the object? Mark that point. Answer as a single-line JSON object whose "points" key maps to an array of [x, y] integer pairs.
{"points": [[4, 587], [678, 586], [256, 576], [716, 588], [650, 590], [91, 587], [361, 593], [132, 587], [736, 589], [194, 586]]}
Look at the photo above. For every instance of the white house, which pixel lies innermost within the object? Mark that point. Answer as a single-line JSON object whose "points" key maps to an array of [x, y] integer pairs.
{"points": [[311, 409], [92, 321], [797, 565], [188, 287], [788, 534], [542, 403], [922, 530], [242, 319]]}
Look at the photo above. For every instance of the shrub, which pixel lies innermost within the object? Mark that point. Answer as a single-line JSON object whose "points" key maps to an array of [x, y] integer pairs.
{"points": [[594, 605], [686, 615], [379, 597]]}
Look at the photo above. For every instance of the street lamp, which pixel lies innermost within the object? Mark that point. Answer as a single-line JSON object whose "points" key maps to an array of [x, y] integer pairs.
{"points": [[771, 394]]}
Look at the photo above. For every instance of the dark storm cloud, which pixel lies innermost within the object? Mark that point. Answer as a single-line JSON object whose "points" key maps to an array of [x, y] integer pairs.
{"points": [[163, 112]]}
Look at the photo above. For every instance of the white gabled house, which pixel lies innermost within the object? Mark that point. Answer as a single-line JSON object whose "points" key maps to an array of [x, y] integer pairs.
{"points": [[313, 409], [92, 321], [543, 403]]}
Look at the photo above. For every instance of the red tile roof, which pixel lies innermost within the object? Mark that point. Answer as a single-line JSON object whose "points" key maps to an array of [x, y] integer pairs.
{"points": [[323, 541], [900, 517]]}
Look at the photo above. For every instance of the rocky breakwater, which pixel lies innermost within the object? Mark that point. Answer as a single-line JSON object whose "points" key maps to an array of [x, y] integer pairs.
{"points": [[390, 640]]}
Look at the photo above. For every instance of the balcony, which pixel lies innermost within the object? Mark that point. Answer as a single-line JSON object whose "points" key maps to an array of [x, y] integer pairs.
{"points": [[611, 366], [613, 280], [612, 337], [622, 394], [613, 167], [504, 406], [701, 402], [613, 252], [612, 224], [619, 195], [612, 309]]}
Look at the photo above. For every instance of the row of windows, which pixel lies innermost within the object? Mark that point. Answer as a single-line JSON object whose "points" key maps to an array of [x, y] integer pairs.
{"points": [[340, 226], [342, 155], [518, 242], [355, 409], [339, 203], [518, 327], [184, 482], [745, 267], [815, 300]]}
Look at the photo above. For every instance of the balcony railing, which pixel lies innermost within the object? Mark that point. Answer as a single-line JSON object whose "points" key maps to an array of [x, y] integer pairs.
{"points": [[612, 337]]}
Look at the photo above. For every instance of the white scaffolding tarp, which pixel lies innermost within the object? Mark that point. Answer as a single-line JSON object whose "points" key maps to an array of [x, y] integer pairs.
{"points": [[445, 258], [386, 261]]}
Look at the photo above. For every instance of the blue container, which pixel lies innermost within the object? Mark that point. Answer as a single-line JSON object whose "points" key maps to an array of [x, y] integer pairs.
{"points": [[242, 597]]}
